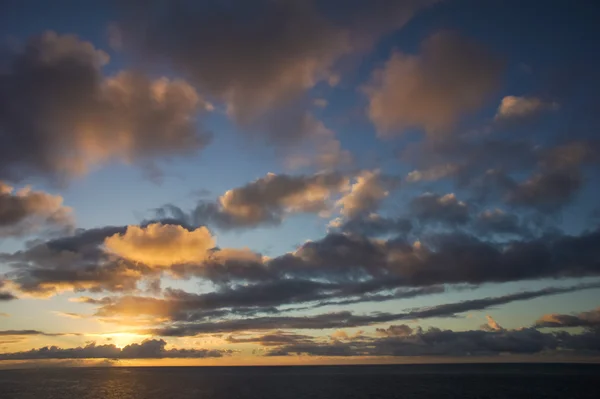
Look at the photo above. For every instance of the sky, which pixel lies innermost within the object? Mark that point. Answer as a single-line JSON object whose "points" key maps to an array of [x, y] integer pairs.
{"points": [[299, 182]]}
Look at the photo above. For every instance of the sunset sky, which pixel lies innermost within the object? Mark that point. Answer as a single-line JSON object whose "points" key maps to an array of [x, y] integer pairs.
{"points": [[299, 181]]}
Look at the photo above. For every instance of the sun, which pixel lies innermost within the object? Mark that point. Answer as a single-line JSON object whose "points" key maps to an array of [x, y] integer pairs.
{"points": [[122, 339]]}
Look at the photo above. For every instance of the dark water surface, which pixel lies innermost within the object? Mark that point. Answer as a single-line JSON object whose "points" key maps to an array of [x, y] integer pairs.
{"points": [[405, 381]]}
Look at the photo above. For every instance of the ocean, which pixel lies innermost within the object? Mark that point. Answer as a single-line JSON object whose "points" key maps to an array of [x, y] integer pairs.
{"points": [[510, 381]]}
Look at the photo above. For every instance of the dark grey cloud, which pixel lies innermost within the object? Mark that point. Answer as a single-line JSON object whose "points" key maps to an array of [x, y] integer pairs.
{"points": [[180, 305], [276, 338], [375, 226], [447, 209], [488, 166], [345, 319], [7, 296], [497, 221], [396, 294], [443, 259], [546, 191], [149, 349], [21, 332], [400, 330], [246, 300], [85, 238], [465, 160], [590, 319], [322, 321], [437, 342], [445, 310], [60, 115]]}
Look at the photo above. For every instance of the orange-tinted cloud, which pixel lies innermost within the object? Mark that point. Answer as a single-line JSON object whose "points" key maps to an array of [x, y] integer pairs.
{"points": [[589, 319], [366, 193], [514, 107], [432, 90], [161, 245], [491, 325]]}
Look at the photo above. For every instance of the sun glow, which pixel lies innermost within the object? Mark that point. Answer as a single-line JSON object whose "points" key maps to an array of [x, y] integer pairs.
{"points": [[121, 339]]}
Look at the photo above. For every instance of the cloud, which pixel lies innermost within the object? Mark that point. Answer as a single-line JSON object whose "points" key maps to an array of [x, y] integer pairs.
{"points": [[7, 296], [556, 180], [180, 305], [497, 221], [321, 321], [488, 167], [84, 239], [246, 300], [513, 107], [20, 332], [17, 333], [438, 342], [401, 330], [42, 271], [93, 301], [149, 349], [590, 319], [26, 211], [64, 116], [372, 225], [265, 201], [382, 297], [321, 150], [522, 174], [366, 193], [546, 191], [447, 209], [276, 338], [274, 53], [161, 245], [82, 263], [465, 159], [320, 102], [345, 319], [570, 155], [450, 77], [339, 335], [432, 174], [491, 325], [70, 315], [267, 198]]}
